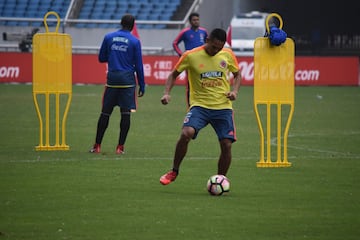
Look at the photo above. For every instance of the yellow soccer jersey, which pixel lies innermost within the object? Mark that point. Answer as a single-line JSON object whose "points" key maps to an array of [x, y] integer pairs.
{"points": [[208, 77]]}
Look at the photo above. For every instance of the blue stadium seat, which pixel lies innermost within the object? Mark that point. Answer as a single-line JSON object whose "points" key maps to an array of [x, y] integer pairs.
{"points": [[96, 15], [84, 15], [24, 24], [111, 4], [142, 16], [166, 16], [37, 24], [11, 23], [57, 4], [18, 13], [32, 2], [21, 6], [32, 7], [30, 13], [98, 10], [122, 4]]}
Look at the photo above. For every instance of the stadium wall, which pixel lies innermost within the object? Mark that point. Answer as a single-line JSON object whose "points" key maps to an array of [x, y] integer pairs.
{"points": [[309, 71], [216, 14], [92, 37]]}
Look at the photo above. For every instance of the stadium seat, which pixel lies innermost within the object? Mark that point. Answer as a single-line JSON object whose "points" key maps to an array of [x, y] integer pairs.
{"points": [[24, 24], [96, 15], [37, 24], [11, 23], [33, 7], [19, 13], [142, 16]]}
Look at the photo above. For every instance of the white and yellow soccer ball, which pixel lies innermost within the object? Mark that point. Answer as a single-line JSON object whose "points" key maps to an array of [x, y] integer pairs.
{"points": [[218, 185]]}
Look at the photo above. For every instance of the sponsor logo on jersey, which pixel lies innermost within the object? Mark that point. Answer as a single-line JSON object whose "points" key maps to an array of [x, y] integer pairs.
{"points": [[213, 74], [120, 39]]}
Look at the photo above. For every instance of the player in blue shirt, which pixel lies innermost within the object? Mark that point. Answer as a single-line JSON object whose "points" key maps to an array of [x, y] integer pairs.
{"points": [[123, 55], [192, 37]]}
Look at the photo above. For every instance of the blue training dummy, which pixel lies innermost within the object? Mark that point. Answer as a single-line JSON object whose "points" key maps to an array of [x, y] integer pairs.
{"points": [[277, 36]]}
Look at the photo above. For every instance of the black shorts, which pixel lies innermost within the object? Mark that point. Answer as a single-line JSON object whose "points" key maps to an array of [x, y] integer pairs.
{"points": [[125, 98]]}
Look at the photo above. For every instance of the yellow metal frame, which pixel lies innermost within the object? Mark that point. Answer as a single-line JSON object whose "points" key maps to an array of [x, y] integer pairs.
{"points": [[280, 162], [52, 70], [47, 145], [273, 85]]}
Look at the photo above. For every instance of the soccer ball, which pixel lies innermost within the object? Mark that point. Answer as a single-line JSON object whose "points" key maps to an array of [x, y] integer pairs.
{"points": [[218, 185]]}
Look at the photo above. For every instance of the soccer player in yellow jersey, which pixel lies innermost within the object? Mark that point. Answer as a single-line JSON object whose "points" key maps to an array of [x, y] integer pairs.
{"points": [[210, 98]]}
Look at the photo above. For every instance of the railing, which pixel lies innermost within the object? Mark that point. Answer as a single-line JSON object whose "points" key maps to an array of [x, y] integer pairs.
{"points": [[14, 47]]}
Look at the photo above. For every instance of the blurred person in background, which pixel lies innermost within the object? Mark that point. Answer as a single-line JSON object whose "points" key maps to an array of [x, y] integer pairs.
{"points": [[123, 55], [193, 36]]}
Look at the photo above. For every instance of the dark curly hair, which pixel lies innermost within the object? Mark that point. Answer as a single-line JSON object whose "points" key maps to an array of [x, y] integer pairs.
{"points": [[219, 34], [127, 22]]}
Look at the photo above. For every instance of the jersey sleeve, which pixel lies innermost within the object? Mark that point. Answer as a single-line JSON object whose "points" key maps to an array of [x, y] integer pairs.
{"points": [[183, 62], [103, 53], [139, 66], [179, 38], [233, 64]]}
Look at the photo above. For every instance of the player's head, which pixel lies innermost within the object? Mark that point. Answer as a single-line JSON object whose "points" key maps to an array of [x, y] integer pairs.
{"points": [[216, 41], [127, 22], [194, 20]]}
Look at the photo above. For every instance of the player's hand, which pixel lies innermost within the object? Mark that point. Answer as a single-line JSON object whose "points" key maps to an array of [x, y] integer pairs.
{"points": [[140, 93], [231, 95], [165, 99]]}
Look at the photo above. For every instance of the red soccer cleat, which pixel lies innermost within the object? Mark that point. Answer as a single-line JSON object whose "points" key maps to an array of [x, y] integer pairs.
{"points": [[96, 148], [120, 149], [168, 177]]}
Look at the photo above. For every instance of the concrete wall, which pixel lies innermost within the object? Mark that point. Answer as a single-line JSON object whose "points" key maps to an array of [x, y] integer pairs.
{"points": [[216, 14], [94, 36]]}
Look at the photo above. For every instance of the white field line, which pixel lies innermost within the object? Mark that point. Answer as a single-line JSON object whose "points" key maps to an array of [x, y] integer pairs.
{"points": [[309, 149], [255, 157], [168, 159], [124, 158]]}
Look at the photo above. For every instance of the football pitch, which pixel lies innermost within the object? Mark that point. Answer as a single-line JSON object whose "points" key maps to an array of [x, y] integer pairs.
{"points": [[77, 195]]}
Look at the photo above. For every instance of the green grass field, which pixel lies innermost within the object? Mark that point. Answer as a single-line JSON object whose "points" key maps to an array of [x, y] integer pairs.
{"points": [[77, 195]]}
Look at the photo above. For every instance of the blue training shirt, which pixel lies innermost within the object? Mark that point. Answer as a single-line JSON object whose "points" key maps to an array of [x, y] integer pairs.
{"points": [[191, 39], [122, 52]]}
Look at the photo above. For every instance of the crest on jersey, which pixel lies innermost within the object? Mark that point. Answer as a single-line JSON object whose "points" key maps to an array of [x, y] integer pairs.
{"points": [[223, 64]]}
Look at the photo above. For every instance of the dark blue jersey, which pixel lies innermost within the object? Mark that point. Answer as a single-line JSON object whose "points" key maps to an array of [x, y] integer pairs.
{"points": [[191, 39], [122, 52]]}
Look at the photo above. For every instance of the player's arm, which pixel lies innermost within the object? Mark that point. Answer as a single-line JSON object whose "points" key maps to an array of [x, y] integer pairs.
{"points": [[168, 86], [103, 54], [177, 41], [232, 95], [139, 69], [176, 47]]}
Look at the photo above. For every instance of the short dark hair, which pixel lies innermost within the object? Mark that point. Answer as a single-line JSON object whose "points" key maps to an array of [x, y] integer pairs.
{"points": [[128, 21], [219, 34], [194, 14]]}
